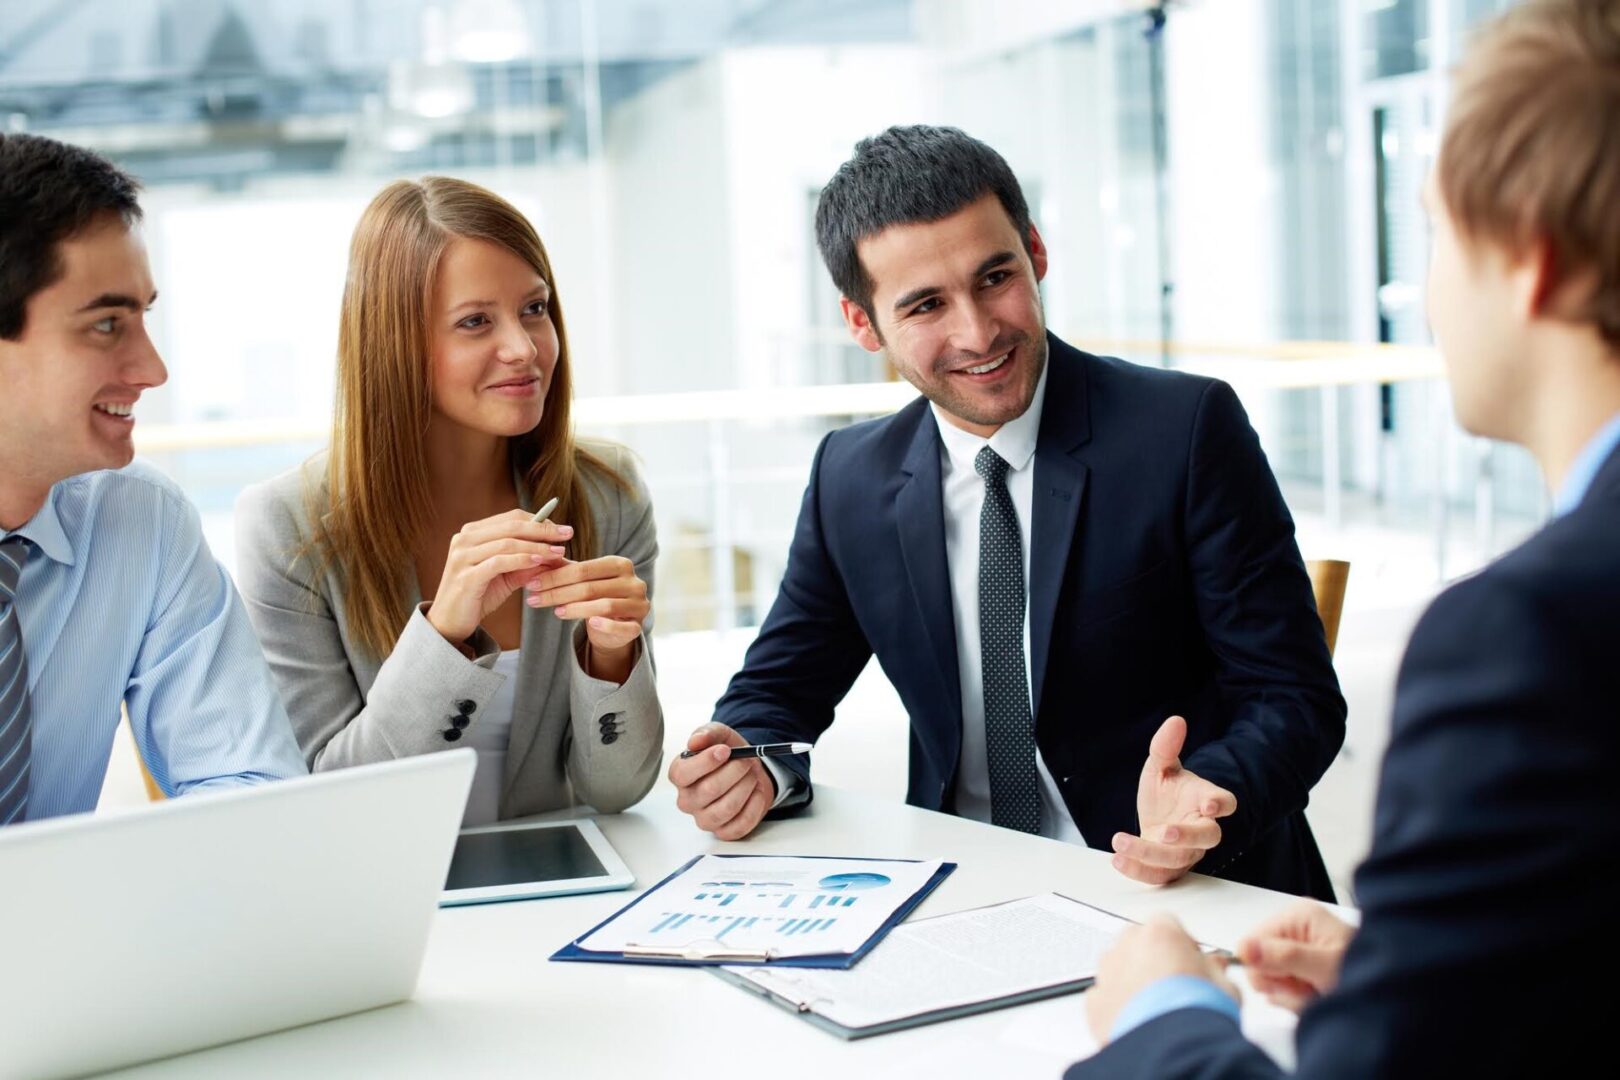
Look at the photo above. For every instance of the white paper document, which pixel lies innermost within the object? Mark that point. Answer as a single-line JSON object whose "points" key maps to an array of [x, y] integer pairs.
{"points": [[950, 961], [778, 906]]}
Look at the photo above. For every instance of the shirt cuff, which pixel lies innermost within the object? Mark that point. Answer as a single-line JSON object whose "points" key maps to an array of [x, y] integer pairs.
{"points": [[1168, 995], [787, 784]]}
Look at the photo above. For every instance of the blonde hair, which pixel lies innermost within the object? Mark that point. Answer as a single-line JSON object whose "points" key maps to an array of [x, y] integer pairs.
{"points": [[377, 488], [1532, 144]]}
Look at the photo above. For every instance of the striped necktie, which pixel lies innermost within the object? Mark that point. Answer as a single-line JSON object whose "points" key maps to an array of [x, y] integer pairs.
{"points": [[16, 727]]}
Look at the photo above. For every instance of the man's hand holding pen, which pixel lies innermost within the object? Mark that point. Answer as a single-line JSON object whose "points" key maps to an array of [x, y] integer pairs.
{"points": [[726, 794]]}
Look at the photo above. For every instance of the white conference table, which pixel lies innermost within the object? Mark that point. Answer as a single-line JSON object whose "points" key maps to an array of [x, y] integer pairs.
{"points": [[490, 1003]]}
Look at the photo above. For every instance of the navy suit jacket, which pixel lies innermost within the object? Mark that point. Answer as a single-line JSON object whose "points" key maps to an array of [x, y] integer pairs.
{"points": [[1483, 903], [1164, 580]]}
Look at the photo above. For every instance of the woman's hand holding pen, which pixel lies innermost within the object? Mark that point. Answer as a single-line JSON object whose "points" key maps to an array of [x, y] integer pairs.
{"points": [[488, 561], [609, 597]]}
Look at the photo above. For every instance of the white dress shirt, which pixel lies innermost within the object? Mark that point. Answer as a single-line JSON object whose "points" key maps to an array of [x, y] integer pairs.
{"points": [[962, 489]]}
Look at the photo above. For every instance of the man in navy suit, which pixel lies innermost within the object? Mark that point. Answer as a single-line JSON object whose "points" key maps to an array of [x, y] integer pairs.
{"points": [[1483, 895], [1167, 611]]}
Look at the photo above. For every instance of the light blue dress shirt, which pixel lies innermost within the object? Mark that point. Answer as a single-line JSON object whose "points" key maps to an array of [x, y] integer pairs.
{"points": [[121, 601], [1166, 996], [1584, 469]]}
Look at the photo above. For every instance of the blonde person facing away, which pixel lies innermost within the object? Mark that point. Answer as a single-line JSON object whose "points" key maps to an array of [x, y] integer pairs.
{"points": [[405, 597]]}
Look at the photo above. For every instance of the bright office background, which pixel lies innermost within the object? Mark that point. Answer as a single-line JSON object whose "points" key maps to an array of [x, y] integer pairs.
{"points": [[1226, 185]]}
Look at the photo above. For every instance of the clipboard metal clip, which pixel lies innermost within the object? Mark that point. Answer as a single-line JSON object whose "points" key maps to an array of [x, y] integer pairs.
{"points": [[701, 951]]}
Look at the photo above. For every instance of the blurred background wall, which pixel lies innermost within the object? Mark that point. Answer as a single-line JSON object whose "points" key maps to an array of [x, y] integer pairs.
{"points": [[1225, 185]]}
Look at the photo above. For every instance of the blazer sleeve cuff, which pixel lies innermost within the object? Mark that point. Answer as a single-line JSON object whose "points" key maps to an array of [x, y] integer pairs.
{"points": [[594, 698], [618, 730], [426, 683], [792, 775], [483, 644]]}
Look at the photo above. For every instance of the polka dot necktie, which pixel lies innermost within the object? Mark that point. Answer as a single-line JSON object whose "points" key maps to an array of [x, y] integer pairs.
{"points": [[1009, 729], [15, 725]]}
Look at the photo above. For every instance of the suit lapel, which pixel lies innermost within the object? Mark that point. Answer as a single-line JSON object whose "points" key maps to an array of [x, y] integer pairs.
{"points": [[1059, 487], [920, 513]]}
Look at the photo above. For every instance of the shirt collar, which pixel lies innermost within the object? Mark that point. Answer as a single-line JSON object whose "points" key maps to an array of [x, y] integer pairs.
{"points": [[1584, 469], [1014, 442], [44, 531]]}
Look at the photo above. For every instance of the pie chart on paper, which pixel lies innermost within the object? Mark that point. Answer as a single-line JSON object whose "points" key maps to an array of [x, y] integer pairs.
{"points": [[853, 882]]}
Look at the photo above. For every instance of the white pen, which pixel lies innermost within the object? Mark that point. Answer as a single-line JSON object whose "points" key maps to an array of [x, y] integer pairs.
{"points": [[544, 512]]}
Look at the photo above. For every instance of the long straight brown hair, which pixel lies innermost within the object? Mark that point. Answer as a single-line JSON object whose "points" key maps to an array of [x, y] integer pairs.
{"points": [[377, 471]]}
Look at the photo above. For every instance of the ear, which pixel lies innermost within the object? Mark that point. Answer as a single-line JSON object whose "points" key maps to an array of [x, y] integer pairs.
{"points": [[1534, 273], [1037, 252], [860, 324], [1545, 289]]}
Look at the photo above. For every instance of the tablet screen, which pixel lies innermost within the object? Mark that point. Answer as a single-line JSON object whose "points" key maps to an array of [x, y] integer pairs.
{"points": [[516, 856]]}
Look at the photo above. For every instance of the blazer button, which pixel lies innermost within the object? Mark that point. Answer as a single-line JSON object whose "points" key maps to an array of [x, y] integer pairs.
{"points": [[459, 721], [452, 734], [467, 706], [608, 718], [609, 738]]}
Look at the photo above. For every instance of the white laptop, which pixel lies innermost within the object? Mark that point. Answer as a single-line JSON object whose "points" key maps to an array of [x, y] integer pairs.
{"points": [[213, 917]]}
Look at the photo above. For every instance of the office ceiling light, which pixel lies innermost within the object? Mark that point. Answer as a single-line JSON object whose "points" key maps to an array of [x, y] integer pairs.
{"points": [[440, 92], [437, 86], [428, 90], [404, 138], [489, 32]]}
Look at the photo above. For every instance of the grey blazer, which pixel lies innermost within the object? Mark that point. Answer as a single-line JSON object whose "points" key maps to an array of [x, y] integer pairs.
{"points": [[574, 739]]}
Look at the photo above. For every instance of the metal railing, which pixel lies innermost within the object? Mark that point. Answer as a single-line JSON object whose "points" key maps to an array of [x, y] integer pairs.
{"points": [[1325, 367]]}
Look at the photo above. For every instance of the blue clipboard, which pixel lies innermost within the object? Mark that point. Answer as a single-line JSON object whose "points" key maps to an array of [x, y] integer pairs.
{"points": [[704, 958]]}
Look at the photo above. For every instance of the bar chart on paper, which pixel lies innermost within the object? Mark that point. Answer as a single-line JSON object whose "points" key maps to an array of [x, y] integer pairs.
{"points": [[782, 905], [781, 900], [716, 927]]}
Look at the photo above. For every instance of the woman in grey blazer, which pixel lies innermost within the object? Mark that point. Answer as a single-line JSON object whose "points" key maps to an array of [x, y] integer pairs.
{"points": [[405, 596]]}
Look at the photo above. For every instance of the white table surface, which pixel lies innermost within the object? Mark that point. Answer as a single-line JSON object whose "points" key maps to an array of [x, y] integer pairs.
{"points": [[490, 1003]]}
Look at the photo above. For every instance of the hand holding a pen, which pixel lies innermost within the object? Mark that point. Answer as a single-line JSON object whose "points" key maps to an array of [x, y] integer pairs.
{"points": [[1295, 957], [1157, 949], [725, 797], [488, 561]]}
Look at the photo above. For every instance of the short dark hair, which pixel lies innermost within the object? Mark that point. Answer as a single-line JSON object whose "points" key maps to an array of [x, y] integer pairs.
{"points": [[49, 192], [903, 176]]}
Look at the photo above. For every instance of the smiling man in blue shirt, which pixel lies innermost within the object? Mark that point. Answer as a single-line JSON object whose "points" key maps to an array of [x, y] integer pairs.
{"points": [[108, 592]]}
